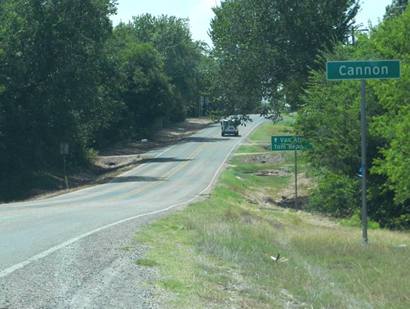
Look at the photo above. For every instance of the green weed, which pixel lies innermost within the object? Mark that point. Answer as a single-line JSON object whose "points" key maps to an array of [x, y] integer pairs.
{"points": [[221, 252]]}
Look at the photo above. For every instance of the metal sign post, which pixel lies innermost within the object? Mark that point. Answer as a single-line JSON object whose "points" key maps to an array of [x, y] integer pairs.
{"points": [[64, 151], [363, 129], [363, 70], [296, 179], [291, 143]]}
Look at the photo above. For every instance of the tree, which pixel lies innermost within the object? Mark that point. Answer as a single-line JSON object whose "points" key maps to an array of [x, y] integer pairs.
{"points": [[396, 8], [66, 76], [270, 46], [390, 41], [172, 38], [330, 120], [53, 78], [145, 87]]}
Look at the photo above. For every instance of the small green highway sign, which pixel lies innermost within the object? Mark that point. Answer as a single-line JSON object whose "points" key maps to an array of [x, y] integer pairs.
{"points": [[289, 143], [362, 70]]}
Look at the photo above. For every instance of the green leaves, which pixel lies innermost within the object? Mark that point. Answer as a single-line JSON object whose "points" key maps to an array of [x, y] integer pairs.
{"points": [[391, 40], [147, 91], [330, 120], [159, 77], [53, 84], [67, 76], [396, 8], [397, 159], [336, 194], [171, 37], [267, 48]]}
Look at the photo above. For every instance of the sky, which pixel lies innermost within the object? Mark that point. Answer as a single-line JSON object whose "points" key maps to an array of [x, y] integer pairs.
{"points": [[199, 12]]}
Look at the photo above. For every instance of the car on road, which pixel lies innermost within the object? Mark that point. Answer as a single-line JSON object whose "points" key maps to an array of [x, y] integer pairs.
{"points": [[229, 126]]}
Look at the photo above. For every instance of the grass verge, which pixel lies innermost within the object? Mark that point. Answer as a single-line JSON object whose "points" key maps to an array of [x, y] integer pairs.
{"points": [[220, 252]]}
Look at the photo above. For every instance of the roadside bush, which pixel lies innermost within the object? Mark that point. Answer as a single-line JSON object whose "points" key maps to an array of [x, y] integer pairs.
{"points": [[330, 119], [336, 195], [355, 221]]}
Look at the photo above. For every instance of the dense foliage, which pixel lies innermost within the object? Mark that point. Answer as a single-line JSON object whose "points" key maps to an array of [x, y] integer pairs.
{"points": [[170, 36], [266, 48], [53, 78], [68, 76], [396, 8], [330, 119]]}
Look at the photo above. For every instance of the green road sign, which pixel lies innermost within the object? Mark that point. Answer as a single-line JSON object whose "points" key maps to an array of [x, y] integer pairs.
{"points": [[361, 70], [288, 143]]}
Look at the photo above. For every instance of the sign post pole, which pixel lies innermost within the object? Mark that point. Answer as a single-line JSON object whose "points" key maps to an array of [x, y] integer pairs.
{"points": [[65, 173], [296, 178], [363, 121], [291, 143], [64, 151]]}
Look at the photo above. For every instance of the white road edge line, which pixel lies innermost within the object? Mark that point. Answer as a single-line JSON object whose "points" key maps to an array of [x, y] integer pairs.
{"points": [[37, 257]]}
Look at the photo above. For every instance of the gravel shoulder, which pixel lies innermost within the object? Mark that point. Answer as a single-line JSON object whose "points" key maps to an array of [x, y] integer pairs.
{"points": [[96, 272], [101, 270]]}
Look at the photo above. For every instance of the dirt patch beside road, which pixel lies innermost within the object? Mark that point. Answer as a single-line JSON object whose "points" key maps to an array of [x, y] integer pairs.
{"points": [[113, 161], [261, 158], [127, 152], [278, 172]]}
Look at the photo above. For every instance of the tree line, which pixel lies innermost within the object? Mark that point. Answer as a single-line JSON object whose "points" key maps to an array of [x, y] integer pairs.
{"points": [[265, 48], [275, 51], [68, 76], [329, 118]]}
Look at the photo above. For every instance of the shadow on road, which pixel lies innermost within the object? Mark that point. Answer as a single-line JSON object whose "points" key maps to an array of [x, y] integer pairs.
{"points": [[163, 160], [122, 179], [205, 139]]}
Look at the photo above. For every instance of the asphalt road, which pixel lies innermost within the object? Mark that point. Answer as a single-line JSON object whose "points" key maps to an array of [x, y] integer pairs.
{"points": [[40, 240]]}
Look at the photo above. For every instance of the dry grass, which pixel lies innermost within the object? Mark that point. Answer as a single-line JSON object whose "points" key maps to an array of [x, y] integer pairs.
{"points": [[218, 253]]}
